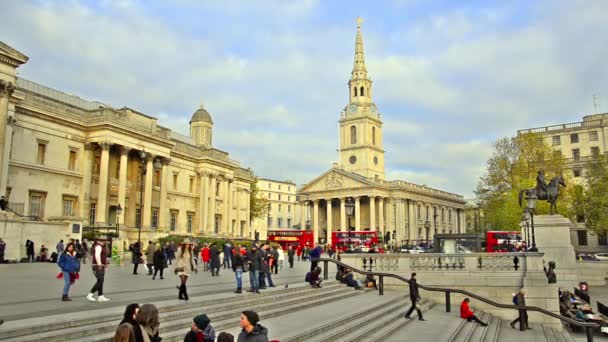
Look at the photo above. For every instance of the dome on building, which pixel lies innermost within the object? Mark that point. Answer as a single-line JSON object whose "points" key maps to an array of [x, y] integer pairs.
{"points": [[201, 115]]}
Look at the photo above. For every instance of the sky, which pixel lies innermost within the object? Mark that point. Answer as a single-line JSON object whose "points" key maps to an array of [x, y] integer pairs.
{"points": [[450, 77]]}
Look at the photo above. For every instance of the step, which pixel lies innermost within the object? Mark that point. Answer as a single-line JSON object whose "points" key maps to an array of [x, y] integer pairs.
{"points": [[106, 323], [480, 332], [437, 327], [493, 329]]}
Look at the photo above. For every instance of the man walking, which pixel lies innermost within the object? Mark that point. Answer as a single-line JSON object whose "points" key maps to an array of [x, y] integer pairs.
{"points": [[85, 250], [99, 257], [227, 255], [150, 257], [415, 298], [520, 300], [290, 254]]}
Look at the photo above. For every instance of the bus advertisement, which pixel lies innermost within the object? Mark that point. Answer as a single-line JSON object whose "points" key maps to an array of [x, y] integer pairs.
{"points": [[290, 237], [502, 241], [365, 240]]}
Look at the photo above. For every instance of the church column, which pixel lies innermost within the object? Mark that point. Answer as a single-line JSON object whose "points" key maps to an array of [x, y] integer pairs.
{"points": [[304, 210], [357, 213], [372, 213], [343, 214], [237, 216], [87, 171], [202, 190], [102, 192], [229, 228], [315, 221], [381, 216], [212, 194], [147, 212], [163, 209], [413, 224], [122, 182], [329, 223], [6, 90]]}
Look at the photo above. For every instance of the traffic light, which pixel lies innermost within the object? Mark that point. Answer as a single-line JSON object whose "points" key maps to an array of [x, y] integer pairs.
{"points": [[394, 234]]}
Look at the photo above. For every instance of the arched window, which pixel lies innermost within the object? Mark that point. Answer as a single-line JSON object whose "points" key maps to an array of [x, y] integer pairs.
{"points": [[450, 216], [353, 134], [355, 90], [373, 135], [362, 91]]}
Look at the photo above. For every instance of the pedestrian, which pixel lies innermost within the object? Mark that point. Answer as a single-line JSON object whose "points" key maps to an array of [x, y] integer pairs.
{"points": [[215, 263], [147, 319], [2, 249], [225, 337], [520, 300], [69, 265], [124, 334], [128, 329], [227, 254], [150, 256], [85, 250], [315, 278], [29, 250], [415, 298], [136, 256], [299, 252], [467, 313], [266, 273], [279, 257], [254, 260], [252, 331], [196, 250], [205, 257], [159, 261], [201, 330], [59, 247], [315, 253], [238, 267], [100, 263], [184, 267], [290, 254]]}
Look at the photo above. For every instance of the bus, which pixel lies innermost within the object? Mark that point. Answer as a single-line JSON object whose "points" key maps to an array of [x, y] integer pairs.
{"points": [[365, 240], [501, 241], [291, 237]]}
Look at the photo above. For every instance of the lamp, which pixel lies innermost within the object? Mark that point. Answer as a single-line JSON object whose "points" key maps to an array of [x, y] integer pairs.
{"points": [[118, 213], [350, 208], [427, 226], [531, 210]]}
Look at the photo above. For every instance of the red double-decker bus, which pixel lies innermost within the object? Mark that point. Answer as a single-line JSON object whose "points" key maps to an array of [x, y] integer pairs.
{"points": [[350, 240], [291, 237], [499, 241]]}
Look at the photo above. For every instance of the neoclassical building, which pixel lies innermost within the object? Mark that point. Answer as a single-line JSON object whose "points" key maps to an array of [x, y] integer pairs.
{"points": [[68, 159], [396, 207]]}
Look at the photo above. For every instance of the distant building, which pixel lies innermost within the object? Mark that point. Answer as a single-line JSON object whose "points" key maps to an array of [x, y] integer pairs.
{"points": [[284, 210]]}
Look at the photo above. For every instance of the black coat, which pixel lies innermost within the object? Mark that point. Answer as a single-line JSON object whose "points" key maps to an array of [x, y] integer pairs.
{"points": [[136, 259], [290, 253], [214, 254], [414, 294], [255, 260], [159, 259], [237, 260]]}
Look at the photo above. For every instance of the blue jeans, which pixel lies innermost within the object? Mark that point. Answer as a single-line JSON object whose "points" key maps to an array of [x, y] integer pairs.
{"points": [[66, 283], [254, 277], [239, 277]]}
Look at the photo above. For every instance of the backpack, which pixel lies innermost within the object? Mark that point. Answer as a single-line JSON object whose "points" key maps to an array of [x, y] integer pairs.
{"points": [[307, 278], [515, 300]]}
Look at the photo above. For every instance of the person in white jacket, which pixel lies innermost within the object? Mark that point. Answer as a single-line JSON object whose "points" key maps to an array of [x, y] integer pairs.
{"points": [[281, 257]]}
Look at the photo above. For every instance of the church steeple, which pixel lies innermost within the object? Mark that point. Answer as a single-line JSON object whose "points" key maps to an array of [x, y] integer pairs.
{"points": [[360, 85], [359, 69]]}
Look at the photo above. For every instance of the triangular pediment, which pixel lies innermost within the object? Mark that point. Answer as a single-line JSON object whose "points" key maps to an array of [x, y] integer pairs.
{"points": [[336, 179]]}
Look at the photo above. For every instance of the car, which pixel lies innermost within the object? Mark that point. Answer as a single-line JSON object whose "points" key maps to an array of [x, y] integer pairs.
{"points": [[601, 256], [416, 250], [586, 257]]}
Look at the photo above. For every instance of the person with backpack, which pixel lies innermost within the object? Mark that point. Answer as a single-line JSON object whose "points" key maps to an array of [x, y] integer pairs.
{"points": [[415, 298], [519, 299]]}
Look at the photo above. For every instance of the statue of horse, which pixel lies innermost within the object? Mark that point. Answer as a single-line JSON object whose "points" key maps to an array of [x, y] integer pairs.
{"points": [[551, 195]]}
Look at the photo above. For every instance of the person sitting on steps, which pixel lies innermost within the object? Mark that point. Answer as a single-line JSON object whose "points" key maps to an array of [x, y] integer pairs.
{"points": [[467, 313]]}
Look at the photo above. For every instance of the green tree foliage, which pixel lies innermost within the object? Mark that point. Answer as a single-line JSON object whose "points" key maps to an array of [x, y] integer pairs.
{"points": [[512, 167], [595, 197], [258, 205]]}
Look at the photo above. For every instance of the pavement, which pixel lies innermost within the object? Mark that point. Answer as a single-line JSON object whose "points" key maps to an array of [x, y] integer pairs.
{"points": [[32, 290]]}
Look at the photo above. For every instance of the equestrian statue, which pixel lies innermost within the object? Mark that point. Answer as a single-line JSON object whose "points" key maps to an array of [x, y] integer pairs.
{"points": [[543, 191]]}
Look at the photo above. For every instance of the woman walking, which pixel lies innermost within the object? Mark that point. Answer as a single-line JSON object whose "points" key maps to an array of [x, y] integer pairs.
{"points": [[183, 267], [69, 264], [237, 266], [160, 263], [147, 319], [215, 263], [136, 256]]}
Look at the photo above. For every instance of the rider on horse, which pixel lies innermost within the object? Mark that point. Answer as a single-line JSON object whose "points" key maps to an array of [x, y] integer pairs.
{"points": [[541, 186]]}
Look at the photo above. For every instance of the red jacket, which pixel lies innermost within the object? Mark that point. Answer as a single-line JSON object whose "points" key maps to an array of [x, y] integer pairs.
{"points": [[465, 311], [205, 254]]}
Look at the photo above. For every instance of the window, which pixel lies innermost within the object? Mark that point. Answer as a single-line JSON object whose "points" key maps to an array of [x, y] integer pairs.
{"points": [[279, 206], [279, 186], [557, 154], [574, 138], [355, 90], [154, 218], [269, 195], [576, 154], [582, 237], [37, 204], [288, 223], [595, 152], [92, 211], [217, 188], [373, 135], [189, 223], [289, 198], [602, 239], [279, 222], [288, 188], [361, 91], [175, 181], [156, 180], [173, 220], [279, 197], [69, 205], [593, 136], [269, 185], [72, 160], [191, 187], [289, 208], [353, 134], [41, 153], [577, 172], [557, 140], [138, 218]]}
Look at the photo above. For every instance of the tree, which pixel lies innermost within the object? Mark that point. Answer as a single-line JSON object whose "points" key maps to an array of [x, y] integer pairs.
{"points": [[595, 197], [258, 205], [512, 167]]}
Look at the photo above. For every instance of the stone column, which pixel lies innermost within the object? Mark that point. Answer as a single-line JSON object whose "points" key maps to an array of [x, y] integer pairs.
{"points": [[237, 215], [412, 221], [229, 229], [202, 201], [212, 195], [357, 213], [304, 211], [315, 221], [329, 223], [102, 192], [6, 90], [372, 213], [343, 214], [381, 216], [122, 182], [87, 170], [147, 212], [163, 209]]}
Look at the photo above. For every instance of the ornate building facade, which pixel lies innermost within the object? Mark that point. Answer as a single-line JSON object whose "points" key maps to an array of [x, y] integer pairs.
{"points": [[283, 209], [410, 213], [67, 159]]}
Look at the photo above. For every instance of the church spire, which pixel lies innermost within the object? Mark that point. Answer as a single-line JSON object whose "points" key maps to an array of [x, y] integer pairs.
{"points": [[359, 69]]}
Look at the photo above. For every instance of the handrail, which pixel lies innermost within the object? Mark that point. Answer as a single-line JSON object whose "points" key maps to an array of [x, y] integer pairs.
{"points": [[588, 326]]}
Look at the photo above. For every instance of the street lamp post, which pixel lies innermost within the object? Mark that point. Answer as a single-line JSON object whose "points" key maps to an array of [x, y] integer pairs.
{"points": [[531, 208], [427, 226], [350, 208], [118, 213]]}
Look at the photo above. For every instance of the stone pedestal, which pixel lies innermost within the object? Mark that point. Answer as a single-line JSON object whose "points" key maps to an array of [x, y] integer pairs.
{"points": [[553, 240]]}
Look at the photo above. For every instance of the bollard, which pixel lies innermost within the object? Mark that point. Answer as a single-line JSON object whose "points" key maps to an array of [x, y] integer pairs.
{"points": [[381, 285], [589, 332], [522, 322], [326, 266], [448, 305]]}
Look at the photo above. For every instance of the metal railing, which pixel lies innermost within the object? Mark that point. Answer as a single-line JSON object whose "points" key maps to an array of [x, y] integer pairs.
{"points": [[521, 309]]}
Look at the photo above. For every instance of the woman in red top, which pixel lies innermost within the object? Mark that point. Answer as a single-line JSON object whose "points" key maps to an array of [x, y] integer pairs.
{"points": [[206, 257], [466, 313]]}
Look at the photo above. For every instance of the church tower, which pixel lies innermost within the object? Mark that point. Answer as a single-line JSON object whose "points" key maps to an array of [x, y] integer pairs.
{"points": [[361, 148]]}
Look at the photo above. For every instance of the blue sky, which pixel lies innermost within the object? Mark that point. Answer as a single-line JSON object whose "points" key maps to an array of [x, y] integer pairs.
{"points": [[450, 77]]}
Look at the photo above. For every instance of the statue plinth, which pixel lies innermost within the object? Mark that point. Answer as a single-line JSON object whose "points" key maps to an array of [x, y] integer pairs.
{"points": [[553, 239]]}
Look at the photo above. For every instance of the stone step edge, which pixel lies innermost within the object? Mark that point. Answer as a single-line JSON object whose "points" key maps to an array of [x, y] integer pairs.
{"points": [[394, 326], [476, 327], [108, 326]]}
